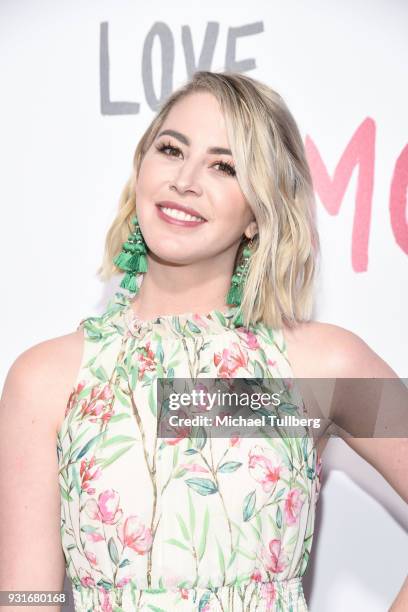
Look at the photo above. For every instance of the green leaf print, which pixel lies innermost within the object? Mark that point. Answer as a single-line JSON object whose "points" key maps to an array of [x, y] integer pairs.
{"points": [[204, 532], [65, 494], [75, 479], [304, 449], [182, 526], [101, 374], [113, 551], [124, 563], [152, 403], [115, 456], [155, 608], [290, 409], [305, 562], [229, 466], [118, 393], [74, 442], [180, 473], [121, 372], [258, 370], [176, 452], [310, 473], [87, 365], [117, 440], [279, 517], [84, 393], [93, 334], [199, 437], [249, 505], [203, 486], [88, 529], [160, 353], [245, 554], [119, 417], [221, 559], [134, 372], [105, 584], [205, 598], [89, 445], [192, 327], [191, 513], [221, 318], [177, 543]]}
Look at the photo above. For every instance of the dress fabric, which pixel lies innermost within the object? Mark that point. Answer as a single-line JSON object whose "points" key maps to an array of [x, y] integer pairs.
{"points": [[155, 524]]}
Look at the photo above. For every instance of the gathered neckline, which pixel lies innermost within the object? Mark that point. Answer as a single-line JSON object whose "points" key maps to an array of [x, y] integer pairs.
{"points": [[190, 323]]}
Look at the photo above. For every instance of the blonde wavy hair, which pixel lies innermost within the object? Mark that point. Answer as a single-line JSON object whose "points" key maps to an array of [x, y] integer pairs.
{"points": [[274, 176]]}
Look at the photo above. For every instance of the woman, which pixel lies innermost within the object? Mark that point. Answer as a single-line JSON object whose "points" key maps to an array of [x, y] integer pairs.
{"points": [[219, 269]]}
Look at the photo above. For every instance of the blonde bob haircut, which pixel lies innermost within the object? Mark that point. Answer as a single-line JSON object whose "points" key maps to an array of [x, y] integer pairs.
{"points": [[274, 176]]}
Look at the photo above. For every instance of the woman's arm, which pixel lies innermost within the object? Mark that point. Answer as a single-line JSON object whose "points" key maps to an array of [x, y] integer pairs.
{"points": [[349, 357], [35, 393]]}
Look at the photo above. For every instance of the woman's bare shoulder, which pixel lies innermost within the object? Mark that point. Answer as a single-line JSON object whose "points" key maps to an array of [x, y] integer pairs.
{"points": [[42, 377], [317, 349]]}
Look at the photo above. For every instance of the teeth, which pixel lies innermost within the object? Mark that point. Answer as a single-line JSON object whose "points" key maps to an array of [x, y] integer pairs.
{"points": [[179, 214]]}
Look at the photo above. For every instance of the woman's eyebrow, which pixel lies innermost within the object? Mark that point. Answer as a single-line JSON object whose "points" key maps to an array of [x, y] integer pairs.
{"points": [[182, 138]]}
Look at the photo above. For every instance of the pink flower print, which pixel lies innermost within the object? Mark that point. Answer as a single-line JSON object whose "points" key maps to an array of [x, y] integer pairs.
{"points": [[288, 382], [268, 594], [193, 467], [271, 362], [256, 576], [202, 407], [87, 475], [73, 398], [275, 558], [184, 593], [123, 581], [106, 605], [265, 470], [293, 505], [200, 321], [135, 535], [106, 393], [235, 441], [145, 360], [230, 360], [181, 432], [94, 536], [106, 509], [98, 403], [86, 578], [249, 338], [91, 557]]}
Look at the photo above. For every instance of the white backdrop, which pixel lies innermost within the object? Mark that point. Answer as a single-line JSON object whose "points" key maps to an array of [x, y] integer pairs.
{"points": [[69, 128]]}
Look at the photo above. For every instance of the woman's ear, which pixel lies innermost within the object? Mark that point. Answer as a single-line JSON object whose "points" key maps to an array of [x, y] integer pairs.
{"points": [[251, 230]]}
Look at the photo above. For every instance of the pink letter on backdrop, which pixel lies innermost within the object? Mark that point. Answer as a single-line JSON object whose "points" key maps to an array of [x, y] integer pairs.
{"points": [[398, 200], [359, 152]]}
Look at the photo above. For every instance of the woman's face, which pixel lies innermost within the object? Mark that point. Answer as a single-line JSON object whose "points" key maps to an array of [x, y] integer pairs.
{"points": [[183, 167]]}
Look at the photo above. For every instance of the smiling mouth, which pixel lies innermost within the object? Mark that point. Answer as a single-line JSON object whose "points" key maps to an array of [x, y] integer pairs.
{"points": [[179, 215]]}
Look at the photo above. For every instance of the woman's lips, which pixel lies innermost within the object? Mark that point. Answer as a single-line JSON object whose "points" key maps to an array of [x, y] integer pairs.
{"points": [[175, 221]]}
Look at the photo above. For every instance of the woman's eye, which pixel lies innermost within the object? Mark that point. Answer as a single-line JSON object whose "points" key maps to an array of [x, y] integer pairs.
{"points": [[171, 151], [168, 149], [226, 167]]}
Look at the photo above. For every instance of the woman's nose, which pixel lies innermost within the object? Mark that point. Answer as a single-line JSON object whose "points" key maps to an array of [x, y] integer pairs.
{"points": [[187, 178]]}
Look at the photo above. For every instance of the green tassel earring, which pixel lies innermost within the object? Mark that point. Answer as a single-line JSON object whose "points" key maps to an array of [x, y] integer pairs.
{"points": [[132, 258], [236, 290]]}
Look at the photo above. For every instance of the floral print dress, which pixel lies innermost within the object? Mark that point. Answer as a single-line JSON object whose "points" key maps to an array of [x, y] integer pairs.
{"points": [[184, 524]]}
